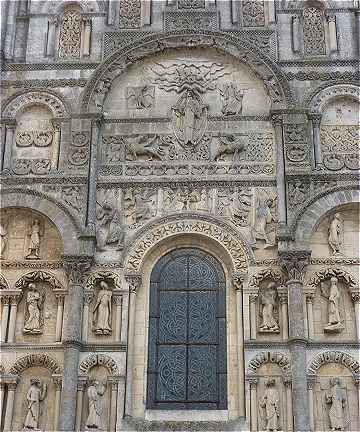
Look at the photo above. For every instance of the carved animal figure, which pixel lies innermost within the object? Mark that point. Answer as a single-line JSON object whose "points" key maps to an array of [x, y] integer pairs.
{"points": [[144, 145], [230, 145]]}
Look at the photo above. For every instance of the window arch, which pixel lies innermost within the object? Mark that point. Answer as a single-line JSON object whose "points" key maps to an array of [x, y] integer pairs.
{"points": [[313, 30], [187, 333], [70, 34]]}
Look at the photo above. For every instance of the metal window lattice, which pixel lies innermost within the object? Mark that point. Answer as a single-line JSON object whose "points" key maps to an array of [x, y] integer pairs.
{"points": [[187, 333]]}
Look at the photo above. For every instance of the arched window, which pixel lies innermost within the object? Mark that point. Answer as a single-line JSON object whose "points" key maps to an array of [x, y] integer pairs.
{"points": [[70, 34], [313, 31], [187, 333]]}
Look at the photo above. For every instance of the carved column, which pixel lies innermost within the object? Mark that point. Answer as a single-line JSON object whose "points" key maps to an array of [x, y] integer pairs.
{"points": [[357, 33], [253, 382], [355, 297], [145, 12], [277, 121], [295, 33], [56, 145], [59, 295], [253, 317], [11, 386], [57, 379], [2, 394], [51, 36], [86, 36], [271, 11], [79, 401], [315, 125], [295, 263], [14, 300], [310, 387], [289, 413], [134, 281], [88, 296], [75, 267], [118, 301], [238, 280], [284, 315], [113, 381], [310, 314], [333, 44], [4, 317], [9, 140]]}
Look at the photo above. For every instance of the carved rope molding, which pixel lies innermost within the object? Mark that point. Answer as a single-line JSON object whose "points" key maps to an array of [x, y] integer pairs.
{"points": [[98, 360], [37, 276], [118, 62], [96, 277], [166, 227], [333, 357], [281, 359], [20, 101], [31, 360]]}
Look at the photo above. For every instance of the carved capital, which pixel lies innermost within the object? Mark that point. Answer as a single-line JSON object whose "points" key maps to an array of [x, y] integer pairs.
{"points": [[295, 262], [331, 18], [117, 299], [12, 382], [283, 298], [54, 20], [5, 300], [57, 380], [134, 281], [310, 298], [88, 296], [253, 298], [86, 21], [253, 381], [76, 268], [355, 296], [287, 381], [60, 295], [277, 119], [315, 118], [311, 382], [81, 385], [238, 281], [14, 299]]}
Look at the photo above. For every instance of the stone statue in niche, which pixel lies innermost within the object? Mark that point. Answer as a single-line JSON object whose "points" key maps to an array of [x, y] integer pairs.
{"points": [[332, 294], [102, 310], [33, 310], [335, 233], [95, 392], [336, 401], [140, 97], [263, 217], [34, 242], [110, 230], [140, 206], [270, 407], [268, 304], [35, 395], [232, 145], [3, 238], [231, 98]]}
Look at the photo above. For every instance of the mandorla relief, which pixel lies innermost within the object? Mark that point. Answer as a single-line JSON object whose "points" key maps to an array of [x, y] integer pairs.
{"points": [[269, 407], [34, 301], [336, 229], [95, 393], [333, 296], [268, 310], [102, 313], [35, 395], [335, 399]]}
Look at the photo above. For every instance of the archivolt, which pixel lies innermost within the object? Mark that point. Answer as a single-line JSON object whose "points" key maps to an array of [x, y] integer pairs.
{"points": [[241, 255], [333, 357], [98, 360], [262, 66], [31, 360]]}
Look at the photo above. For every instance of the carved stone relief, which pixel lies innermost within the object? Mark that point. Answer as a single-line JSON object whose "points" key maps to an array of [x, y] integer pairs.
{"points": [[140, 98], [336, 232], [313, 31], [95, 393], [263, 219], [231, 99], [296, 146], [253, 13], [109, 231], [102, 311], [35, 395], [269, 309], [140, 205], [70, 35], [78, 154], [34, 310], [269, 407], [130, 14]]}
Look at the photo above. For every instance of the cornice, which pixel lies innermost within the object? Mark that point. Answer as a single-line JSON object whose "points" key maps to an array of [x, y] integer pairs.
{"points": [[310, 345], [49, 179], [48, 66], [36, 83], [108, 184], [59, 346]]}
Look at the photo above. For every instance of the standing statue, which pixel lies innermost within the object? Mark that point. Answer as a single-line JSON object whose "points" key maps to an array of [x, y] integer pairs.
{"points": [[111, 230], [268, 300], [334, 324], [34, 396], [95, 392], [102, 310], [269, 405], [263, 217], [335, 233], [232, 99], [3, 239], [33, 319], [336, 399], [34, 245]]}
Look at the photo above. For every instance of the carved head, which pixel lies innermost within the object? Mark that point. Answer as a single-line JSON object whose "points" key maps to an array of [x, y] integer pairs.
{"points": [[31, 286], [35, 381], [334, 381], [104, 285], [270, 382], [334, 281]]}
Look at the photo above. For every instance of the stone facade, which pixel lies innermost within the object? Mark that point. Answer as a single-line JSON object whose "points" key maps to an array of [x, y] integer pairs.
{"points": [[131, 129]]}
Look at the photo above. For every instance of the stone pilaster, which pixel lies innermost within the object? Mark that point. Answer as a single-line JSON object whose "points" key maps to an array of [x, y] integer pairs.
{"points": [[75, 268], [277, 120], [295, 262]]}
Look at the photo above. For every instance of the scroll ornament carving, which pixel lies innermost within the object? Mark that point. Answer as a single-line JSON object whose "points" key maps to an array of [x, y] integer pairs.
{"points": [[295, 263], [78, 156], [253, 13], [234, 247], [298, 193], [98, 360], [333, 357], [313, 31], [191, 4], [28, 138], [31, 360], [130, 14], [34, 396], [70, 35], [269, 406], [270, 357], [191, 19], [31, 166]]}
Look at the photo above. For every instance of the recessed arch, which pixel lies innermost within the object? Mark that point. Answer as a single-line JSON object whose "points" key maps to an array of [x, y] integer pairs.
{"points": [[281, 359], [319, 99], [98, 360], [31, 360], [333, 357], [56, 212], [37, 276]]}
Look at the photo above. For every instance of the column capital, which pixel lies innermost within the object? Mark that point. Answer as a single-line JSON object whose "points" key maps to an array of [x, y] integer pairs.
{"points": [[355, 296], [76, 267], [315, 118], [295, 263], [57, 380], [5, 299], [238, 281], [11, 381], [60, 294], [82, 382], [277, 119], [9, 123], [252, 380], [283, 298], [86, 20], [287, 381], [309, 297], [253, 298], [54, 20], [117, 299], [311, 380], [134, 281]]}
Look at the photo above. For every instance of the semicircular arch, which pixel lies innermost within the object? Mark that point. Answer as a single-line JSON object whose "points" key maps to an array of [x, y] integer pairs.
{"points": [[31, 360], [281, 359], [317, 101], [93, 360], [38, 276], [333, 357]]}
